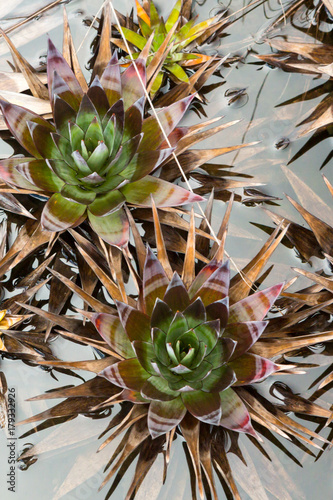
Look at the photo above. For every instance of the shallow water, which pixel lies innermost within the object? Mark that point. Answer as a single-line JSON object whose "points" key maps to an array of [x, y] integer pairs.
{"points": [[261, 120]]}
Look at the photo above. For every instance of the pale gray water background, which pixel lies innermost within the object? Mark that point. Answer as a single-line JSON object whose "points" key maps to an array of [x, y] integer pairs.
{"points": [[261, 121]]}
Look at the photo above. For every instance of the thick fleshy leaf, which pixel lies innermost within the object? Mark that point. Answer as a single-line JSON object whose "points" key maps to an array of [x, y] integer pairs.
{"points": [[61, 90], [163, 416], [219, 310], [169, 117], [43, 141], [164, 193], [176, 296], [60, 214], [205, 407], [93, 137], [64, 171], [98, 97], [62, 114], [80, 164], [56, 62], [195, 313], [145, 353], [112, 228], [216, 287], [78, 194], [124, 156], [208, 333], [222, 352], [87, 112], [106, 203], [162, 316], [203, 276], [128, 374], [133, 85], [155, 281], [157, 388], [98, 157], [159, 344], [246, 334], [135, 323], [111, 81], [256, 306], [10, 174], [198, 374], [133, 119], [250, 368], [219, 379], [17, 119], [39, 173], [76, 135], [177, 328], [112, 331], [144, 163], [234, 413]]}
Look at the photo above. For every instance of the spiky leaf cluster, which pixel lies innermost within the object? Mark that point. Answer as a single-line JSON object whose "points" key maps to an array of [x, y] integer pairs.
{"points": [[99, 152]]}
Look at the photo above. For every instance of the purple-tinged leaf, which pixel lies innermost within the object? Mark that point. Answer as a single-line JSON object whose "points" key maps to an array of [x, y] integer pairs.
{"points": [[157, 388], [39, 173], [256, 306], [111, 80], [43, 141], [55, 62], [250, 368], [60, 214], [219, 310], [208, 333], [10, 174], [155, 281], [216, 287], [63, 113], [159, 344], [204, 406], [169, 117], [112, 331], [176, 296], [128, 374], [17, 119], [234, 413], [133, 119], [106, 203], [61, 90], [145, 353], [133, 82], [161, 316], [203, 276], [135, 323], [245, 334], [195, 313], [222, 352], [219, 379], [112, 228], [164, 193], [163, 416], [98, 97], [144, 163]]}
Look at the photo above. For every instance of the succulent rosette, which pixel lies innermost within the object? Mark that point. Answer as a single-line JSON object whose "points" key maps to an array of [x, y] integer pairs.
{"points": [[99, 151], [188, 350], [176, 36]]}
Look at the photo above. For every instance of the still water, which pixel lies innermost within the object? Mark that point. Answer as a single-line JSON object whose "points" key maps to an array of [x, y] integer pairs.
{"points": [[57, 473]]}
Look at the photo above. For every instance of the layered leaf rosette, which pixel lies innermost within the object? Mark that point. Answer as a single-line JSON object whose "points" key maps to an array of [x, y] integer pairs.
{"points": [[99, 152], [186, 350]]}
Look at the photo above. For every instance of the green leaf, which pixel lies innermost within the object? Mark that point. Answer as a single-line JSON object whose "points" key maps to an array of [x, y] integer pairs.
{"points": [[98, 157], [78, 194], [135, 323], [157, 388], [159, 344], [106, 203], [60, 214], [134, 38], [219, 379], [86, 113], [110, 328], [177, 71], [112, 228], [163, 416], [94, 135], [128, 374], [162, 316], [205, 407], [174, 16], [177, 328], [64, 171], [195, 313], [76, 135], [37, 172], [208, 333]]}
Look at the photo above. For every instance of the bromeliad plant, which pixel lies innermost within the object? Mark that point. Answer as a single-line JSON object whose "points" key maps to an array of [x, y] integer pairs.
{"points": [[183, 358], [173, 40], [100, 151]]}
